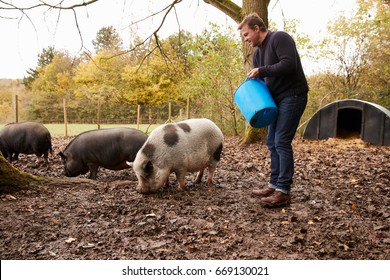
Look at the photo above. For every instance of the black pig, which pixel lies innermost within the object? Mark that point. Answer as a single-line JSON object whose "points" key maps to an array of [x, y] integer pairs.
{"points": [[109, 148], [25, 138]]}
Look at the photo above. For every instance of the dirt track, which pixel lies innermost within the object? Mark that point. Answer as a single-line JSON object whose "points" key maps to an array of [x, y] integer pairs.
{"points": [[340, 210]]}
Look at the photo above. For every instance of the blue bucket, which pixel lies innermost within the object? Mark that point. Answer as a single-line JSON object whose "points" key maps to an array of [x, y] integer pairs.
{"points": [[255, 102]]}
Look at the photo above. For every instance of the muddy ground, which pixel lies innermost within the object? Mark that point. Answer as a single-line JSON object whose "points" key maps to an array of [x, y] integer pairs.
{"points": [[339, 210]]}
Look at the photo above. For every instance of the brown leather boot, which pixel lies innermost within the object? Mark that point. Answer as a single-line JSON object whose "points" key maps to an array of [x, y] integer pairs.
{"points": [[263, 193], [276, 199]]}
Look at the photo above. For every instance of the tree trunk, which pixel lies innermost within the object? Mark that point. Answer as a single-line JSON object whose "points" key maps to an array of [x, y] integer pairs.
{"points": [[11, 178], [237, 14], [253, 135]]}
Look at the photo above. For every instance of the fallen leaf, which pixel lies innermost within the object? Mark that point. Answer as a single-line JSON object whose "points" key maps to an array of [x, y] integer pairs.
{"points": [[192, 248], [381, 227], [10, 197], [70, 240], [151, 215], [52, 254], [240, 228], [354, 206], [353, 180]]}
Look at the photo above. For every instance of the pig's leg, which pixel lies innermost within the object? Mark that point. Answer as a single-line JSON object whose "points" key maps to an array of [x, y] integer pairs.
{"points": [[10, 158], [180, 177], [46, 157], [16, 156], [162, 179], [167, 182], [93, 168], [210, 174], [199, 176]]}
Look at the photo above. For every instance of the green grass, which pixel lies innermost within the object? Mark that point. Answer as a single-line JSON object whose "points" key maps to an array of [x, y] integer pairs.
{"points": [[58, 130]]}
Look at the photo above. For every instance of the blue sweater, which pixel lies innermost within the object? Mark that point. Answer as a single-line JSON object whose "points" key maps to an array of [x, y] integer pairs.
{"points": [[280, 66]]}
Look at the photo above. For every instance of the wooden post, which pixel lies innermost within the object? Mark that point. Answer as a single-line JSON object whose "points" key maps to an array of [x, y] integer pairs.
{"points": [[188, 108], [98, 114], [138, 115], [150, 116], [16, 108], [65, 118], [169, 112]]}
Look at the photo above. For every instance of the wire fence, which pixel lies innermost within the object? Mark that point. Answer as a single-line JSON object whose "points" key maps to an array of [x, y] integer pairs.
{"points": [[123, 114]]}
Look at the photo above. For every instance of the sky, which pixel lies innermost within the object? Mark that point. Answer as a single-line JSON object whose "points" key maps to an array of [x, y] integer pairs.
{"points": [[24, 38]]}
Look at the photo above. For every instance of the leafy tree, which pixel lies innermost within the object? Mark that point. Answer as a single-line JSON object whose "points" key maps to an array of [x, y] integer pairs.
{"points": [[358, 51], [53, 84], [6, 91], [44, 58], [376, 79], [153, 78], [180, 44], [107, 39], [216, 74], [98, 80]]}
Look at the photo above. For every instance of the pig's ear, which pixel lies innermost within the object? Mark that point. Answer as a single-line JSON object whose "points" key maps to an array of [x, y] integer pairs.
{"points": [[61, 154], [148, 167]]}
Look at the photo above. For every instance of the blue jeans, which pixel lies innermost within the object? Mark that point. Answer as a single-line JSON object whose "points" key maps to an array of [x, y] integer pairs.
{"points": [[280, 135]]}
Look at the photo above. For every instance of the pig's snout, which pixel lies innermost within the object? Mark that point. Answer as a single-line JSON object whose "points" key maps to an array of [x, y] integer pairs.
{"points": [[143, 189]]}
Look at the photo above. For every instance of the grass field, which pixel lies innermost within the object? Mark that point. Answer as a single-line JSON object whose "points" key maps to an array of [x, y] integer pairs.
{"points": [[58, 130]]}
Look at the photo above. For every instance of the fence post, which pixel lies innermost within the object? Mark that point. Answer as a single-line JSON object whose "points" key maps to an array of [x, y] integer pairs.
{"points": [[98, 114], [138, 115], [188, 108], [65, 118], [169, 113], [16, 108]]}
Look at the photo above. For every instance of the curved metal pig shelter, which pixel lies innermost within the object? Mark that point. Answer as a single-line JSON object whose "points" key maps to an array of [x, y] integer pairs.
{"points": [[348, 117]]}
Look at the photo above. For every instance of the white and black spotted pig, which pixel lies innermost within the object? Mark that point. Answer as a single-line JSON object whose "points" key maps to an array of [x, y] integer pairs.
{"points": [[187, 146], [25, 138], [110, 148]]}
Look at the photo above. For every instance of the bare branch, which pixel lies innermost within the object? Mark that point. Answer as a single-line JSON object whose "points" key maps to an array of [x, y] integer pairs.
{"points": [[10, 6], [78, 28], [154, 35], [228, 7]]}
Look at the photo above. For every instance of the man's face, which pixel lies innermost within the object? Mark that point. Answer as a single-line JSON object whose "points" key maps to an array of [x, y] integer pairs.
{"points": [[251, 36]]}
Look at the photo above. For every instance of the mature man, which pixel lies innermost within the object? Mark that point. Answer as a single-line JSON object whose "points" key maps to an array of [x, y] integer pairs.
{"points": [[276, 61]]}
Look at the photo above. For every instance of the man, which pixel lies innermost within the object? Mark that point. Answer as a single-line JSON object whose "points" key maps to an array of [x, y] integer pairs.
{"points": [[277, 62]]}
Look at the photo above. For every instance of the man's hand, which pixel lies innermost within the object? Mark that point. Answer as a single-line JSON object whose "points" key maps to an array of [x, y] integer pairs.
{"points": [[253, 73]]}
